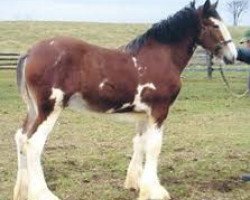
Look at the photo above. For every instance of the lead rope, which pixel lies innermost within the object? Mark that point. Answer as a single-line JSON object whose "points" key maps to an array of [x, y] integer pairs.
{"points": [[228, 85]]}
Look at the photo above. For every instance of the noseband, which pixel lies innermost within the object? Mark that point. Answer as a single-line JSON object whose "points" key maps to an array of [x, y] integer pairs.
{"points": [[220, 45]]}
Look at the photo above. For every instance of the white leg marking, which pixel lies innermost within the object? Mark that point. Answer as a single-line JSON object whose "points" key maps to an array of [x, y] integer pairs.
{"points": [[38, 189], [150, 187], [59, 58], [135, 167], [21, 187]]}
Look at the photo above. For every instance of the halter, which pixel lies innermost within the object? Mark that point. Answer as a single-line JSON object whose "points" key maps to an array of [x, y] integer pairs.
{"points": [[220, 45]]}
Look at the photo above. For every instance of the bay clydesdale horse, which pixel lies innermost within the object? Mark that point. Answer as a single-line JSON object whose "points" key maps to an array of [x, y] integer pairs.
{"points": [[143, 77]]}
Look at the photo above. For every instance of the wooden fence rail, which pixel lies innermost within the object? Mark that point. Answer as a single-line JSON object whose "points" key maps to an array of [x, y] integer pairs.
{"points": [[8, 60]]}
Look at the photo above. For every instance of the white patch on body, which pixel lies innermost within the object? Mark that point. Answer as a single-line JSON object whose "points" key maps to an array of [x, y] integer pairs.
{"points": [[139, 105], [125, 106], [57, 95], [230, 49], [59, 58], [101, 85], [135, 62], [110, 111], [52, 42], [139, 68], [37, 186]]}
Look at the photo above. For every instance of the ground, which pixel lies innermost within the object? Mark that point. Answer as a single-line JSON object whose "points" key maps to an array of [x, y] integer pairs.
{"points": [[206, 137]]}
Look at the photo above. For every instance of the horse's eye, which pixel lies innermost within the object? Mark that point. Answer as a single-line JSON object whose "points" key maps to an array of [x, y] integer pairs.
{"points": [[215, 26]]}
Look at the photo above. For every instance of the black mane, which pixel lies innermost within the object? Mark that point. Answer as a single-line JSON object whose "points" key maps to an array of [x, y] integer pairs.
{"points": [[169, 31]]}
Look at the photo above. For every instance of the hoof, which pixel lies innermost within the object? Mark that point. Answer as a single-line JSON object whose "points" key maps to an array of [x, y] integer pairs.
{"points": [[21, 187], [154, 192], [43, 195], [131, 184], [132, 181]]}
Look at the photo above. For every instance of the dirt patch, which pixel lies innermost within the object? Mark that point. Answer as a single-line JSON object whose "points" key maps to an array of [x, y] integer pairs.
{"points": [[223, 186]]}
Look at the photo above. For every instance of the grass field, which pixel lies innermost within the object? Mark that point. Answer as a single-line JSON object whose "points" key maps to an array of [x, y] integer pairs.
{"points": [[206, 142]]}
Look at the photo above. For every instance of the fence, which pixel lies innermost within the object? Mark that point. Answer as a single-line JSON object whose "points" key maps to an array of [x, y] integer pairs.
{"points": [[200, 58], [8, 60]]}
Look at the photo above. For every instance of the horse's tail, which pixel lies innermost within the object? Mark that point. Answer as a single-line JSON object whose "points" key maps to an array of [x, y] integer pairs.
{"points": [[20, 75]]}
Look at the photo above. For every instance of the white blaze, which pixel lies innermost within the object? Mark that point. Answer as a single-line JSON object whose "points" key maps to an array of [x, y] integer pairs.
{"points": [[229, 49]]}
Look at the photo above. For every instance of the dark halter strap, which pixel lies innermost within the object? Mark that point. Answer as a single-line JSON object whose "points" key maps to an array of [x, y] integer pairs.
{"points": [[223, 43], [220, 45]]}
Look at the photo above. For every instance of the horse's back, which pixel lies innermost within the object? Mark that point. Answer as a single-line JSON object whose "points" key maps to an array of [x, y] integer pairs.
{"points": [[103, 77]]}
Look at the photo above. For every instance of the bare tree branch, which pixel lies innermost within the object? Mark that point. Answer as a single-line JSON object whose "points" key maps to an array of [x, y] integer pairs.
{"points": [[237, 8]]}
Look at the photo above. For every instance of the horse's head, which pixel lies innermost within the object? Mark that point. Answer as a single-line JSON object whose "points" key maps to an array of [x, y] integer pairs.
{"points": [[214, 35]]}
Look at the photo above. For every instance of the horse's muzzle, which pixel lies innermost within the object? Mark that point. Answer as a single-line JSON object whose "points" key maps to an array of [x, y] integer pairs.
{"points": [[229, 61]]}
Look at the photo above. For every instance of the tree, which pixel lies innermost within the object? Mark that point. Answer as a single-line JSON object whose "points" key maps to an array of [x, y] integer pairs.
{"points": [[237, 8]]}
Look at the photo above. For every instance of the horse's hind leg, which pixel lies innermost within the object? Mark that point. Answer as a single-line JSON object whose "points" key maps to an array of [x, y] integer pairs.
{"points": [[30, 143], [21, 187], [48, 112]]}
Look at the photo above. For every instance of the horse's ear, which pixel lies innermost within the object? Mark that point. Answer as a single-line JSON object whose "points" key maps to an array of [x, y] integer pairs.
{"points": [[206, 7], [192, 4], [214, 6]]}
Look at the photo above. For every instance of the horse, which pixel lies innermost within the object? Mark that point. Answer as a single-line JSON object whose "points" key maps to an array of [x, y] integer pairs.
{"points": [[142, 77]]}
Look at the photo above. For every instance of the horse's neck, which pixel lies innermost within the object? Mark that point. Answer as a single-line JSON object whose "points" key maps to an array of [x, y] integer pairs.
{"points": [[178, 54], [182, 53]]}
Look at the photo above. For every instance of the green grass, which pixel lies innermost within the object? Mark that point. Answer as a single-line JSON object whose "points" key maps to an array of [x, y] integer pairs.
{"points": [[206, 139], [19, 36]]}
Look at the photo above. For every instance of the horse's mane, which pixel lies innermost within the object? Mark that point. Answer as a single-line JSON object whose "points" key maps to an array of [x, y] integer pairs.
{"points": [[169, 31]]}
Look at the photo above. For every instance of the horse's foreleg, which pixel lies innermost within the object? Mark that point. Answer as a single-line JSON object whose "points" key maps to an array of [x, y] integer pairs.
{"points": [[135, 168], [150, 187]]}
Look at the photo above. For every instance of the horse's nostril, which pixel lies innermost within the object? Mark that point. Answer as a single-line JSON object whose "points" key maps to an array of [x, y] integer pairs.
{"points": [[229, 61], [226, 60]]}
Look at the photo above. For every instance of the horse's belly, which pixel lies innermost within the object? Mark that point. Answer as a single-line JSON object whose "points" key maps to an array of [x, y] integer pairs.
{"points": [[77, 103]]}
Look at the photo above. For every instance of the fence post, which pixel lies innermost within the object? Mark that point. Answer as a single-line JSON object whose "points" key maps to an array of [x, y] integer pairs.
{"points": [[209, 61], [248, 84]]}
